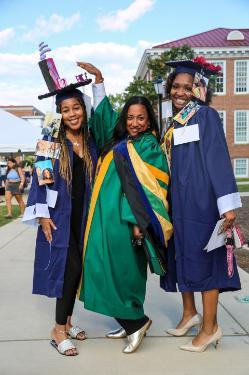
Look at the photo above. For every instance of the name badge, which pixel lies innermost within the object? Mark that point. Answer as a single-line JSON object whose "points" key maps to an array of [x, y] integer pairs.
{"points": [[186, 134]]}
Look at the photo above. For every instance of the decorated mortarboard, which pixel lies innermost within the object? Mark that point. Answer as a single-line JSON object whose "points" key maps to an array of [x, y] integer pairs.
{"points": [[196, 65], [55, 84]]}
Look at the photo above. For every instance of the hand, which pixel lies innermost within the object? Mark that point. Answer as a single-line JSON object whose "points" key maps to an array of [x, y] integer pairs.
{"points": [[91, 69], [47, 226], [137, 236], [230, 217], [137, 233]]}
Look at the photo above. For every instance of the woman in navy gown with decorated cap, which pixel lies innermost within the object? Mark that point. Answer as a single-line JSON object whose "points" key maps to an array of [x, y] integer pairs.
{"points": [[203, 190], [61, 207]]}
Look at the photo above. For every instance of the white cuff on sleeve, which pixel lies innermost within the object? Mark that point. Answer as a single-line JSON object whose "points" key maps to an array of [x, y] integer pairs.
{"points": [[31, 213], [51, 197], [228, 202], [98, 93]]}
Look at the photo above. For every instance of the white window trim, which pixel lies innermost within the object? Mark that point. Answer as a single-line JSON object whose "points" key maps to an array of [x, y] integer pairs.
{"points": [[241, 142], [234, 78], [224, 120], [223, 73], [247, 169]]}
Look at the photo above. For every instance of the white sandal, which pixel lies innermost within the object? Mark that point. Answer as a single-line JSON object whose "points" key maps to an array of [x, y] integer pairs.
{"points": [[63, 347], [74, 331]]}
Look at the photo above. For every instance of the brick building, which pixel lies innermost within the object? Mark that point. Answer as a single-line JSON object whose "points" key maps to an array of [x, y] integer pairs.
{"points": [[230, 49], [26, 112]]}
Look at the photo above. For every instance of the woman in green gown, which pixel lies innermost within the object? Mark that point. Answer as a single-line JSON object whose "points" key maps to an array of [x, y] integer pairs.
{"points": [[128, 209]]}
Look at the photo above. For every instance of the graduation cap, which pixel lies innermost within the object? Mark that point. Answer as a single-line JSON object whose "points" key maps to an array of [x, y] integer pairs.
{"points": [[57, 85], [197, 65]]}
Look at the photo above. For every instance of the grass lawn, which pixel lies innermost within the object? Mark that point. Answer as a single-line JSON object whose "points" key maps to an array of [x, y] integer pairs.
{"points": [[242, 180], [3, 211], [243, 188]]}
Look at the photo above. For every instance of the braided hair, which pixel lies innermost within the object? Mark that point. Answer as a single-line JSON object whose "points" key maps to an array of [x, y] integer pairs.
{"points": [[65, 169]]}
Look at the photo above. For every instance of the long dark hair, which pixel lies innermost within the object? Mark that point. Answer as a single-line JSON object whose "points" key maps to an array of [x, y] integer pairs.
{"points": [[65, 166], [15, 164], [120, 129], [169, 84]]}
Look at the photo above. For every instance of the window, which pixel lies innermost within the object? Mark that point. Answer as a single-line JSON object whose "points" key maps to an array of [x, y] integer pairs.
{"points": [[241, 128], [222, 115], [220, 81], [241, 167], [241, 76]]}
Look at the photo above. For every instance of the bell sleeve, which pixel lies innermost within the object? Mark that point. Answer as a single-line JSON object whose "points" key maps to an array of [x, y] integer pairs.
{"points": [[219, 165], [104, 119]]}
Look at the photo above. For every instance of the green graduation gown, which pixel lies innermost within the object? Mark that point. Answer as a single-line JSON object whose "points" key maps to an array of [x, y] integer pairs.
{"points": [[114, 272]]}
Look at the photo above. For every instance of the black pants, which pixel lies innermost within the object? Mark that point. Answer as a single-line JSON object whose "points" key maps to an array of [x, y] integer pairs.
{"points": [[132, 325], [65, 305]]}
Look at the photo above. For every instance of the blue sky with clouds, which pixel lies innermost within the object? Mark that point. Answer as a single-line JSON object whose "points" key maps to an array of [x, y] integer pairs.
{"points": [[110, 34]]}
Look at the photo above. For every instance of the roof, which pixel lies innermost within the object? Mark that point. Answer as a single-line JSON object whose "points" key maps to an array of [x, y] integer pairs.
{"points": [[17, 134], [14, 108], [212, 38]]}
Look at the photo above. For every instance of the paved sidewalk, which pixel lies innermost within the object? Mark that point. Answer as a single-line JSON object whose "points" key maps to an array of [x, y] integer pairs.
{"points": [[25, 321]]}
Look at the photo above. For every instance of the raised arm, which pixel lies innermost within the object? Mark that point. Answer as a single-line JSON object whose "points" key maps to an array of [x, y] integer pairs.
{"points": [[103, 122]]}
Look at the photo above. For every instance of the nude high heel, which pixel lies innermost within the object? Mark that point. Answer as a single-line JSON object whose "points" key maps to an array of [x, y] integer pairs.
{"points": [[196, 320], [215, 339]]}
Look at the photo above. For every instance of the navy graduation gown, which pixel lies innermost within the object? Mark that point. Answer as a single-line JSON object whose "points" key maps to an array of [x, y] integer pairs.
{"points": [[203, 187], [50, 259]]}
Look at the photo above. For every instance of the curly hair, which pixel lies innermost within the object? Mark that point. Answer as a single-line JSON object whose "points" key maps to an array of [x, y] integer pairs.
{"points": [[169, 84]]}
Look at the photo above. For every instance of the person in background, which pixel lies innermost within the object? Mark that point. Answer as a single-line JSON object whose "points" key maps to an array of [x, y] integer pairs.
{"points": [[14, 186]]}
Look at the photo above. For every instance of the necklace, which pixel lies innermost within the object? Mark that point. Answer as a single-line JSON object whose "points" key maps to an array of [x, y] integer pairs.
{"points": [[77, 144]]}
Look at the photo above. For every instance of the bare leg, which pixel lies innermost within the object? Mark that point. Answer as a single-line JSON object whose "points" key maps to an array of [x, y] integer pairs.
{"points": [[8, 197], [21, 203], [59, 334], [209, 326], [189, 309]]}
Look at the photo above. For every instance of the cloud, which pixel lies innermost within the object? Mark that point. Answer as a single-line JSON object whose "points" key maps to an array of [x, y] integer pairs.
{"points": [[21, 79], [6, 35], [54, 24], [121, 19]]}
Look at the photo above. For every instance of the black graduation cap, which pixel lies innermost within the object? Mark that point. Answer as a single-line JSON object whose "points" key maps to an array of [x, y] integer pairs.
{"points": [[197, 65], [55, 84]]}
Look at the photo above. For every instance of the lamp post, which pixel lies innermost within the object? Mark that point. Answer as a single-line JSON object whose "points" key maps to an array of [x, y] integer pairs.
{"points": [[158, 84]]}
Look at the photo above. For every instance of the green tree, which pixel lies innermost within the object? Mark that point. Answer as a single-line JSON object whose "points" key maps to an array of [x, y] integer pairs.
{"points": [[117, 101], [137, 87], [140, 87], [157, 66]]}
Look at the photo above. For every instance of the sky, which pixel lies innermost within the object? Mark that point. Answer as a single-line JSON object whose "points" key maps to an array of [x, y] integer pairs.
{"points": [[112, 35]]}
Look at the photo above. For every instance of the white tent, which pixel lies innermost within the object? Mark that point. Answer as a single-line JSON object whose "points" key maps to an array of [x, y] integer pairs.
{"points": [[17, 134]]}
